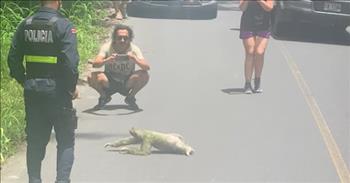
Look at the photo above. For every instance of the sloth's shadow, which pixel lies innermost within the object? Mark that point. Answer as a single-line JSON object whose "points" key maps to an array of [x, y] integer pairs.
{"points": [[153, 151]]}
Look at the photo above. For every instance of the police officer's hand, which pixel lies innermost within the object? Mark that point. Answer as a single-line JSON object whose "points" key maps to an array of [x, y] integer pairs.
{"points": [[75, 94]]}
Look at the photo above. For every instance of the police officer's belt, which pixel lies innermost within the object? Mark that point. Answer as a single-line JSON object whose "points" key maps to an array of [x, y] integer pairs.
{"points": [[40, 85]]}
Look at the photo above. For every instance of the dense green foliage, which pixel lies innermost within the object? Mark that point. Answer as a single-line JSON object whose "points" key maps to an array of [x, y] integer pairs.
{"points": [[83, 14]]}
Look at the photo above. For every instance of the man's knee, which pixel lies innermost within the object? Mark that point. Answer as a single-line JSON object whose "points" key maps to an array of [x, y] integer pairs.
{"points": [[143, 75], [101, 78], [66, 140], [97, 80]]}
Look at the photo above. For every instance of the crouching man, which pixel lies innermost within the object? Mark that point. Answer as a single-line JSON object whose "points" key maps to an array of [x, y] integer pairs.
{"points": [[119, 56]]}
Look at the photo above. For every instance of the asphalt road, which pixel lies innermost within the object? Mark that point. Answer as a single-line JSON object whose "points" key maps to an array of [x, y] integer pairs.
{"points": [[282, 135]]}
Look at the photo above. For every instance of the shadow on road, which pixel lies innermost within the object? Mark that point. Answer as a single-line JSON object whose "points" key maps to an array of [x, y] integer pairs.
{"points": [[235, 29], [115, 107], [94, 112], [158, 152], [132, 112], [111, 108], [233, 91], [97, 136], [314, 34], [120, 106]]}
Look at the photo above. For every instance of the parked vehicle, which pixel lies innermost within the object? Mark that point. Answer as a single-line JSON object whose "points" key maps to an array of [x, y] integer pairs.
{"points": [[178, 9], [332, 13]]}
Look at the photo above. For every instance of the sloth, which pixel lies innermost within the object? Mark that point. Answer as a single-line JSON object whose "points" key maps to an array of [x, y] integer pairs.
{"points": [[164, 142]]}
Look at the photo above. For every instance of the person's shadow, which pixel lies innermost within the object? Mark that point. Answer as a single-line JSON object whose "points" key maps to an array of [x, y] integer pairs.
{"points": [[235, 29], [233, 91], [113, 107]]}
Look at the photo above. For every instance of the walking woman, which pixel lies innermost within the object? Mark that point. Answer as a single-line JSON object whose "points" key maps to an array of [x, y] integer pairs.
{"points": [[255, 32]]}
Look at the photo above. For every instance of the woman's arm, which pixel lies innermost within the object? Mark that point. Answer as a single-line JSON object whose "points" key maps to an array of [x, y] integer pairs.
{"points": [[243, 4], [267, 5]]}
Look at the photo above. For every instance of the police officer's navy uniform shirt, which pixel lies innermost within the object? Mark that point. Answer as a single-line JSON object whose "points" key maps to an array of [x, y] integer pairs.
{"points": [[65, 38]]}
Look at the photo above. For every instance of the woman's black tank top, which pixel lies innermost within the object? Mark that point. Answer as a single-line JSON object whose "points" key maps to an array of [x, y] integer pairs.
{"points": [[255, 18]]}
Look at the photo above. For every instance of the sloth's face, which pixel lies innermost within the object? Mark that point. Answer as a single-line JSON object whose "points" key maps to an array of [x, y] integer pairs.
{"points": [[189, 151]]}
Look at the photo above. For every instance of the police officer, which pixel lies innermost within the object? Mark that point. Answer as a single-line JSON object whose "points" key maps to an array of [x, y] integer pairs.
{"points": [[47, 43]]}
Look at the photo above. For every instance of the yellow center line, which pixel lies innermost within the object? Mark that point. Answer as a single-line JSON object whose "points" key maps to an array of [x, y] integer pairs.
{"points": [[328, 138]]}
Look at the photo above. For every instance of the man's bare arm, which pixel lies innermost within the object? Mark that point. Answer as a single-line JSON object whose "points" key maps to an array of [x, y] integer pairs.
{"points": [[100, 60]]}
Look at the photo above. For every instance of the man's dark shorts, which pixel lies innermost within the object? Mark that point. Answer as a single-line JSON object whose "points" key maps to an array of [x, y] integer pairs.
{"points": [[116, 86]]}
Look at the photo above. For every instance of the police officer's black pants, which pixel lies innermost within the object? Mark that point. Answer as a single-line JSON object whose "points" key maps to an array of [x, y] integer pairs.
{"points": [[44, 112]]}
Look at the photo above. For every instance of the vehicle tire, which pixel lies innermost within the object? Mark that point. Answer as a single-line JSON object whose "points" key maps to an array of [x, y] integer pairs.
{"points": [[137, 9], [209, 12], [142, 9]]}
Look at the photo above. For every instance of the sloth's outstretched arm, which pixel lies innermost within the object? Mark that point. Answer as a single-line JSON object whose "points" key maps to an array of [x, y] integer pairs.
{"points": [[143, 151], [123, 142]]}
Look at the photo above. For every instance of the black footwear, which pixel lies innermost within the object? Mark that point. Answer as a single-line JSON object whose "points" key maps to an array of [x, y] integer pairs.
{"points": [[62, 181], [248, 88], [102, 101], [34, 180], [131, 101], [257, 87]]}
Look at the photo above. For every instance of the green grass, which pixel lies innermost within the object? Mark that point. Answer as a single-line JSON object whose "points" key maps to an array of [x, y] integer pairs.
{"points": [[82, 14]]}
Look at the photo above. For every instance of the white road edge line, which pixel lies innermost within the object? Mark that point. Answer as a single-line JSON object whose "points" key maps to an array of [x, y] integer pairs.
{"points": [[332, 147]]}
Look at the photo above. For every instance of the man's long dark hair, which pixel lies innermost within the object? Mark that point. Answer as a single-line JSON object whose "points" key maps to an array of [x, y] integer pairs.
{"points": [[119, 27]]}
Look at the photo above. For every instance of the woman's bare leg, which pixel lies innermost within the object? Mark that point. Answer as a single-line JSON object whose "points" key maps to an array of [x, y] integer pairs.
{"points": [[249, 45]]}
